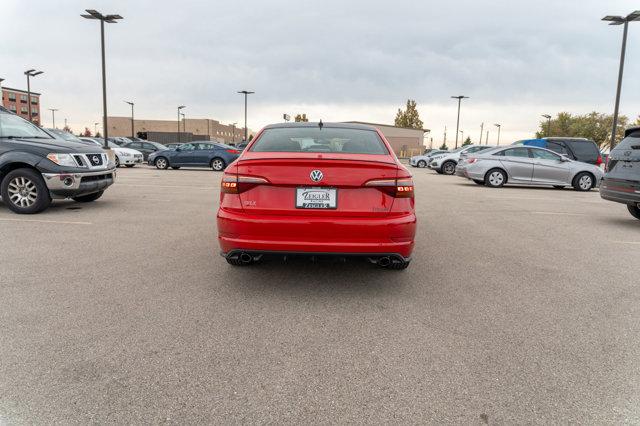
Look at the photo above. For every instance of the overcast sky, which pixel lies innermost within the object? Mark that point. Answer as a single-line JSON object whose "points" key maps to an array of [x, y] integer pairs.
{"points": [[335, 60]]}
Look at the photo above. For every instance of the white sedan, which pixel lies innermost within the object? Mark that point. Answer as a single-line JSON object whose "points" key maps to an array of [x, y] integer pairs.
{"points": [[124, 156]]}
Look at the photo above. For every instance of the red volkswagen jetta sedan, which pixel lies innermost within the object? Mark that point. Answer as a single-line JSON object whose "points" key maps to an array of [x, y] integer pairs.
{"points": [[317, 189]]}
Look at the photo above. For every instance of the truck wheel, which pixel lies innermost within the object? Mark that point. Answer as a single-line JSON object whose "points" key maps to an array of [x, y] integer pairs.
{"points": [[89, 197], [24, 191], [634, 210]]}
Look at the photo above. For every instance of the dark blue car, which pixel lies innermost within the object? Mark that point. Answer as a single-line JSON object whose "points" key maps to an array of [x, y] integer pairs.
{"points": [[195, 154]]}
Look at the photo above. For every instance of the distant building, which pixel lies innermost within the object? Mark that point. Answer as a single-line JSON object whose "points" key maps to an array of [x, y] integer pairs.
{"points": [[15, 100], [166, 131], [404, 141]]}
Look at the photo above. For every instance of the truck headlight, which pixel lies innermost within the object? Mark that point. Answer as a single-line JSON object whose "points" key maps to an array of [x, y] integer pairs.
{"points": [[63, 159]]}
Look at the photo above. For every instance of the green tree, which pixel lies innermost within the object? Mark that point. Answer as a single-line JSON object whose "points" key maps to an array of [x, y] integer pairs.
{"points": [[637, 123], [443, 147], [250, 138], [409, 117], [467, 141], [301, 118], [595, 126]]}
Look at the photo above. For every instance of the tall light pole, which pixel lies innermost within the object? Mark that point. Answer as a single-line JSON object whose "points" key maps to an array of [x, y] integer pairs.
{"points": [[95, 128], [132, 125], [548, 117], [459, 98], [499, 126], [184, 122], [619, 20], [481, 132], [462, 137], [110, 19], [487, 139], [53, 116], [179, 108], [245, 93], [30, 73]]}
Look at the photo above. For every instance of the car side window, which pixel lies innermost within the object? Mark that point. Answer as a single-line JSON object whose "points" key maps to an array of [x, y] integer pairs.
{"points": [[187, 147], [557, 147], [135, 145], [544, 155], [516, 152], [149, 146]]}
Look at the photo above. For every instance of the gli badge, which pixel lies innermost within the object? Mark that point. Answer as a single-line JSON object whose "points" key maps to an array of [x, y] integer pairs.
{"points": [[316, 175]]}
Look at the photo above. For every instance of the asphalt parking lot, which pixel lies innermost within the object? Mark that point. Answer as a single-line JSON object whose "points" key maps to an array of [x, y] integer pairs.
{"points": [[521, 305]]}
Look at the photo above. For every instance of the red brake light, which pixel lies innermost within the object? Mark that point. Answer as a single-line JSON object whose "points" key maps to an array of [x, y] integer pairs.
{"points": [[599, 160], [232, 151], [399, 188], [236, 184]]}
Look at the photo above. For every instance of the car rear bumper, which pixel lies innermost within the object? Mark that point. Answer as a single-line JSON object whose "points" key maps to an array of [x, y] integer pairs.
{"points": [[620, 191], [309, 235], [65, 185]]}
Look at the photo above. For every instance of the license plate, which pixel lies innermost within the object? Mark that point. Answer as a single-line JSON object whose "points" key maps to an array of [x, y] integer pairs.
{"points": [[316, 198]]}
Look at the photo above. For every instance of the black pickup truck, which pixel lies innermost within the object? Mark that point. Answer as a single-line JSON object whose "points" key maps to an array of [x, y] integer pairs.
{"points": [[35, 167]]}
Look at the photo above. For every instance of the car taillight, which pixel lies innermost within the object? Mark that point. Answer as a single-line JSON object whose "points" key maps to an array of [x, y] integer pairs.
{"points": [[399, 188], [232, 151], [599, 160], [236, 184]]}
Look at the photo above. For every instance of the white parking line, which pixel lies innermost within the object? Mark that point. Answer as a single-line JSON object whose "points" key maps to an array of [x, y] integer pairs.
{"points": [[61, 222], [627, 242], [560, 213]]}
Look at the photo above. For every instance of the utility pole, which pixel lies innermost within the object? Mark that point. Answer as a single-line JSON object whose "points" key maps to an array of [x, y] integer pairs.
{"points": [[132, 125], [487, 140], [481, 130], [619, 20], [459, 98], [499, 126], [444, 143]]}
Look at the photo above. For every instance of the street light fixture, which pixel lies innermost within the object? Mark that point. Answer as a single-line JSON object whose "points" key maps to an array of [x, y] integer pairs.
{"points": [[548, 117], [179, 108], [245, 93], [620, 20], [53, 116], [30, 73], [499, 126], [110, 19], [132, 125], [459, 98]]}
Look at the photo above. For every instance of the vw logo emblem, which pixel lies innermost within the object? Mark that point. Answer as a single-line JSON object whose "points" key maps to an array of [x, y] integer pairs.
{"points": [[95, 159], [316, 175]]}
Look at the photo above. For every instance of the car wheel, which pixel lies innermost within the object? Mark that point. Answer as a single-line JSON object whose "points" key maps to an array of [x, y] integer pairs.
{"points": [[495, 178], [161, 163], [129, 165], [89, 197], [175, 167], [634, 210], [422, 164], [24, 191], [583, 182], [449, 168], [117, 161], [479, 182], [217, 164]]}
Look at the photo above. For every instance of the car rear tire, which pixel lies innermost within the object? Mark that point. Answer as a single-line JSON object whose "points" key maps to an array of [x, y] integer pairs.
{"points": [[422, 164], [479, 182], [24, 191], [448, 167], [218, 164], [117, 161], [89, 197], [634, 210], [583, 182], [495, 178], [161, 163]]}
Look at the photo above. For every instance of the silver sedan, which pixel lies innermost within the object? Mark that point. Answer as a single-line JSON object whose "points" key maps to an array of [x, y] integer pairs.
{"points": [[529, 166]]}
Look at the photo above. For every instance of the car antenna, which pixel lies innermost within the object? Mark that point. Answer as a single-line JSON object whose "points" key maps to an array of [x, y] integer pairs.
{"points": [[320, 124]]}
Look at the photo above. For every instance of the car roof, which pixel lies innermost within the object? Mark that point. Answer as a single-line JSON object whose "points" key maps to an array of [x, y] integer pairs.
{"points": [[325, 125], [631, 130]]}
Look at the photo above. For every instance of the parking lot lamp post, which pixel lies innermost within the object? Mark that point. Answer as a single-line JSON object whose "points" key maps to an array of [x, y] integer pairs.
{"points": [[53, 116], [499, 126], [30, 73], [481, 132], [110, 19], [245, 93], [619, 20], [95, 128], [462, 135], [459, 98], [179, 108], [132, 128], [184, 122], [487, 139], [548, 117]]}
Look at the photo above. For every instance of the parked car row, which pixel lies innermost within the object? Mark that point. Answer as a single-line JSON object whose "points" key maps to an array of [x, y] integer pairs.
{"points": [[195, 154]]}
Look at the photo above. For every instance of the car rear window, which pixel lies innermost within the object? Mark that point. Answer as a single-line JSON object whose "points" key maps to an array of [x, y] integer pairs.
{"points": [[632, 141], [584, 150], [315, 139]]}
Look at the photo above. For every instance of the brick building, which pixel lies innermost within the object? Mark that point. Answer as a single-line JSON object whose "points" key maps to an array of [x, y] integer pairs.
{"points": [[191, 129], [404, 141], [15, 100]]}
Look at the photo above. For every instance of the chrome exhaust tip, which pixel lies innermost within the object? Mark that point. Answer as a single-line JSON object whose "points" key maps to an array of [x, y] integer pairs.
{"points": [[384, 261], [245, 258]]}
